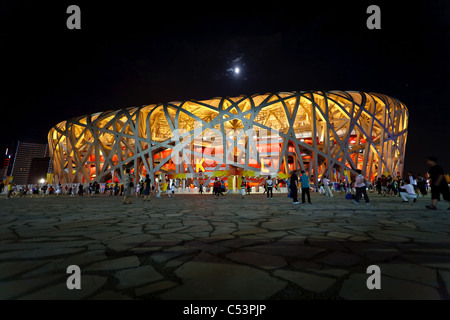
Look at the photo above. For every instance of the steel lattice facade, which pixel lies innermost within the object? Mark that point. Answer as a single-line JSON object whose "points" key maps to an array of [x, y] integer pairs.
{"points": [[321, 132]]}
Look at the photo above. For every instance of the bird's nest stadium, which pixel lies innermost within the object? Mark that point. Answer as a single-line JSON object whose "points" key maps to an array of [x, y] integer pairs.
{"points": [[332, 133]]}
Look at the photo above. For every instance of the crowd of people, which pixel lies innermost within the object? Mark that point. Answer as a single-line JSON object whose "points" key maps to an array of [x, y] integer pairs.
{"points": [[408, 189]]}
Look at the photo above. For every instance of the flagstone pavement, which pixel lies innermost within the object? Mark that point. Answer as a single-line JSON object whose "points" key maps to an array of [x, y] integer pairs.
{"points": [[200, 247]]}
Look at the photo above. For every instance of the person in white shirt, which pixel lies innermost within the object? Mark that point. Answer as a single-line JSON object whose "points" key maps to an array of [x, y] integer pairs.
{"points": [[172, 189], [360, 186], [412, 180], [326, 186], [269, 184], [409, 192]]}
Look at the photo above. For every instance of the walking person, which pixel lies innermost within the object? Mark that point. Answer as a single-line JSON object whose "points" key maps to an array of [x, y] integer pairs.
{"points": [[168, 188], [139, 188], [44, 189], [421, 185], [201, 188], [341, 186], [243, 187], [147, 186], [360, 186], [217, 187], [395, 186], [157, 188], [408, 192], [80, 190], [378, 184], [269, 185], [294, 187], [389, 185], [222, 187], [172, 190], [326, 186], [384, 188], [58, 189], [164, 186], [128, 185], [304, 181], [438, 183], [9, 190]]}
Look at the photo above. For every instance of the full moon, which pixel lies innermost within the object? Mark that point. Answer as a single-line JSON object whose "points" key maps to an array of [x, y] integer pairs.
{"points": [[237, 70]]}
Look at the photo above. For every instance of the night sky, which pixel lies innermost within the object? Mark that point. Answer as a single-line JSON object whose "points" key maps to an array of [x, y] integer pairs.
{"points": [[134, 54]]}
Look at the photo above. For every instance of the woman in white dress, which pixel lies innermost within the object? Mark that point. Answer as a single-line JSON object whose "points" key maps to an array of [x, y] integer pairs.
{"points": [[157, 188], [58, 189], [127, 186]]}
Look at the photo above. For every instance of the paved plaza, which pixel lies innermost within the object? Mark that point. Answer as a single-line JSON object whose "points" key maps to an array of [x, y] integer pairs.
{"points": [[200, 247]]}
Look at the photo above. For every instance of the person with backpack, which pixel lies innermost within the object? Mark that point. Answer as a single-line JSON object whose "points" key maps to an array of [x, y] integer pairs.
{"points": [[360, 185], [269, 185]]}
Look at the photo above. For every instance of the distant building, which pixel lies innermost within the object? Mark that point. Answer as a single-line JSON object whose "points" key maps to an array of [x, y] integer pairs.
{"points": [[29, 163], [5, 165]]}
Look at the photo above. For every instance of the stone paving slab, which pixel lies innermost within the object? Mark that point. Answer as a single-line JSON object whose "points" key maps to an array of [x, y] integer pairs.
{"points": [[14, 288], [137, 276], [306, 281], [115, 264], [199, 247], [391, 288], [89, 285], [258, 259], [8, 269], [208, 277]]}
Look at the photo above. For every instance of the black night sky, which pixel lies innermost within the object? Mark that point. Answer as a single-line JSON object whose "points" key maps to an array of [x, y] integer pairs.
{"points": [[134, 54]]}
